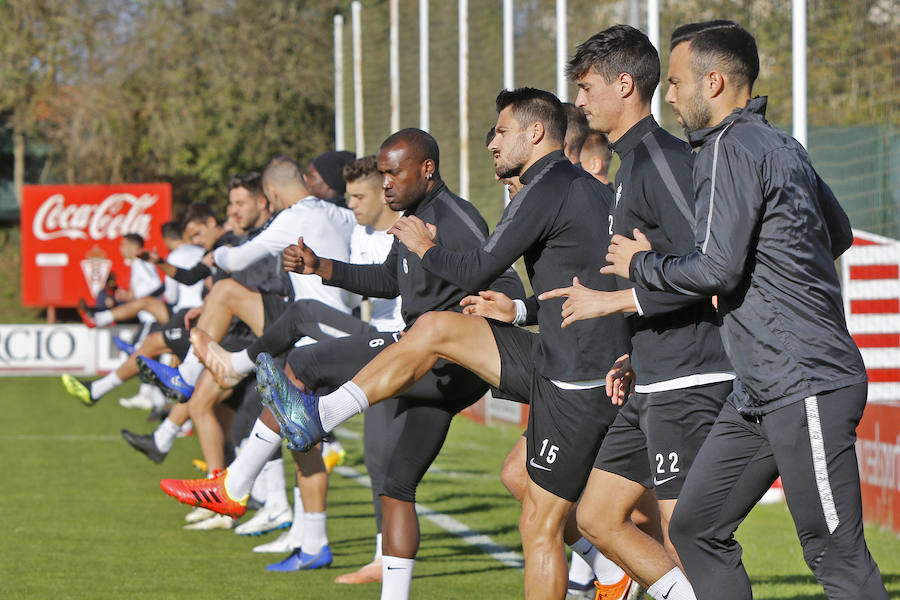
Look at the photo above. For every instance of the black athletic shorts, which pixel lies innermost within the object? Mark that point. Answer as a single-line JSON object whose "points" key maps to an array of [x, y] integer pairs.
{"points": [[656, 436], [565, 427], [176, 336], [274, 305], [427, 407]]}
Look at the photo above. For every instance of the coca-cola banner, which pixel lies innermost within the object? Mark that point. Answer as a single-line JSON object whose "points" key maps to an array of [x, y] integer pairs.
{"points": [[71, 236]]}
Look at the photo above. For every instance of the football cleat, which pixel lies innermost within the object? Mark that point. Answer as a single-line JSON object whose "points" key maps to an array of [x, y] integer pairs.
{"points": [[333, 454], [299, 561], [285, 543], [79, 389], [370, 573], [265, 521], [139, 401], [580, 591], [297, 412], [85, 313], [206, 493], [214, 522], [145, 444], [615, 591], [126, 347], [216, 359], [198, 514], [167, 379]]}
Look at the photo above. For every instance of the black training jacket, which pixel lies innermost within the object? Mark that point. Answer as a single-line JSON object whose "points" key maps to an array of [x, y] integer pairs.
{"points": [[677, 335], [768, 230], [460, 227], [558, 222]]}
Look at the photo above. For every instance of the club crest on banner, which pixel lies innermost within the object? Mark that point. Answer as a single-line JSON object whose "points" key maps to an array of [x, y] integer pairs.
{"points": [[95, 266]]}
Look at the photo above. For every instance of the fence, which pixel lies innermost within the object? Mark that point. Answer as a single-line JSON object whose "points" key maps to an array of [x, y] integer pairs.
{"points": [[852, 69]]}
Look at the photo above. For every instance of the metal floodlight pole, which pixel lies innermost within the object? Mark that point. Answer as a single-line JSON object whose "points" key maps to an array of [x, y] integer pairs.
{"points": [[509, 79], [562, 43], [395, 63], [508, 49], [464, 98], [338, 82], [424, 92], [356, 25], [798, 72], [653, 34]]}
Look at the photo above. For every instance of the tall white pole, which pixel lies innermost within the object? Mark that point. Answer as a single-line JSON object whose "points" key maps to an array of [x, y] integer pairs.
{"points": [[508, 49], [356, 25], [424, 91], [395, 64], [338, 82], [653, 34], [464, 98], [562, 43], [798, 53], [509, 65]]}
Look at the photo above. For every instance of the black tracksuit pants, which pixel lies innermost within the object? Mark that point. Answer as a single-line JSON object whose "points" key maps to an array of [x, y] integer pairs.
{"points": [[811, 444]]}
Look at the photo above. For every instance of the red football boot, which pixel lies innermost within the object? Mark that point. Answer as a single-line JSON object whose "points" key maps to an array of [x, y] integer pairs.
{"points": [[206, 493]]}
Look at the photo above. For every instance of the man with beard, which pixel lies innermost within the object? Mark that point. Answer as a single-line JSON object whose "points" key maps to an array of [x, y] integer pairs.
{"points": [[553, 221], [408, 162], [768, 230]]}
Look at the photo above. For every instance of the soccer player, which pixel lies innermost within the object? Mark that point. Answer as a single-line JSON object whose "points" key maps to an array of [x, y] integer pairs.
{"points": [[682, 373], [300, 213], [408, 162], [554, 221], [768, 230], [596, 157]]}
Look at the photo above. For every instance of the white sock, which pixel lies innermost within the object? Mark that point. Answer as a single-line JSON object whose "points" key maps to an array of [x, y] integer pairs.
{"points": [[606, 571], [314, 536], [191, 368], [338, 406], [149, 390], [249, 463], [104, 318], [296, 531], [672, 586], [104, 385], [240, 362], [396, 576], [377, 547], [164, 436], [260, 486], [276, 487], [580, 571]]}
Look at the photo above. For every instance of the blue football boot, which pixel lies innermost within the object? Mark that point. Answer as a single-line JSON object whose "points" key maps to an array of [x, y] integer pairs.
{"points": [[297, 412], [167, 379], [300, 561]]}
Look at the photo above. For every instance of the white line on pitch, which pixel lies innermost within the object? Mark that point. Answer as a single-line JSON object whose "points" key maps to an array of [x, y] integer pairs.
{"points": [[448, 523], [61, 437]]}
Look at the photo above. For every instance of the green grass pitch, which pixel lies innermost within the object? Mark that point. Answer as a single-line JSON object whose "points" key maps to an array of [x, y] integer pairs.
{"points": [[82, 516]]}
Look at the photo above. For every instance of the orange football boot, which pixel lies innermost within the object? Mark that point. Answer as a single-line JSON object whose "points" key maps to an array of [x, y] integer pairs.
{"points": [[206, 493], [615, 591]]}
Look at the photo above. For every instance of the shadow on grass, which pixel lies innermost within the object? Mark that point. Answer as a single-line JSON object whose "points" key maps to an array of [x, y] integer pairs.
{"points": [[891, 582]]}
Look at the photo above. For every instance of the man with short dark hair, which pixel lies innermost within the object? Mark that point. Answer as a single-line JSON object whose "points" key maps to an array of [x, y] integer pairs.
{"points": [[768, 230], [550, 222], [408, 162], [682, 375]]}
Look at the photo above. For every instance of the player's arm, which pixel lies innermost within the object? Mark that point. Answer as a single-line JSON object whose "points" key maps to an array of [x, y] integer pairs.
{"points": [[374, 281], [717, 267], [836, 220]]}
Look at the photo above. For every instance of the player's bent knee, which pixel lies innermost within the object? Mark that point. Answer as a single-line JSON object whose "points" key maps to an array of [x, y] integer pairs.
{"points": [[434, 328], [683, 530]]}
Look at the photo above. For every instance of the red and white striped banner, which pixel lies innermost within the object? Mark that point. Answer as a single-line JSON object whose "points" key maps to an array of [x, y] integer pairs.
{"points": [[871, 279]]}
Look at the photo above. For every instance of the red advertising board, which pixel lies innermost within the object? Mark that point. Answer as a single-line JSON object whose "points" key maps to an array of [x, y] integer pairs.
{"points": [[71, 236], [878, 454]]}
